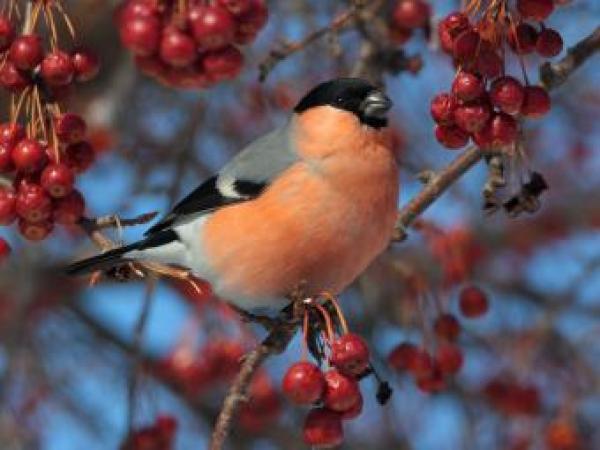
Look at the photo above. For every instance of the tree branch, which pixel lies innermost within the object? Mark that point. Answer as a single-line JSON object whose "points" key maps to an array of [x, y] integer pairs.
{"points": [[555, 74]]}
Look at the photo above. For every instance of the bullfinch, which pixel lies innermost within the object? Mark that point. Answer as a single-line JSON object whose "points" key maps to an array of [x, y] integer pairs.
{"points": [[313, 202]]}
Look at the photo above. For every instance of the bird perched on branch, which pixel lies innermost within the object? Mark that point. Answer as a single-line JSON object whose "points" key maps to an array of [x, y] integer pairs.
{"points": [[312, 202]]}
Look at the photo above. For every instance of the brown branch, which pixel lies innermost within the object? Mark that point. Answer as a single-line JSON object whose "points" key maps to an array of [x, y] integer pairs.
{"points": [[553, 75]]}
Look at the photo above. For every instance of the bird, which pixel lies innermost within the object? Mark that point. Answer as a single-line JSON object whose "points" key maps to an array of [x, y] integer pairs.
{"points": [[312, 202]]}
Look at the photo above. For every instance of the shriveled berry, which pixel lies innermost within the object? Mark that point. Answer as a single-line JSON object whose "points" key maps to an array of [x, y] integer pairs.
{"points": [[68, 210], [303, 383], [467, 86], [442, 108], [26, 51], [177, 48], [536, 103], [58, 180], [507, 93], [522, 39], [141, 35], [33, 203], [350, 354], [212, 26], [537, 10], [57, 69], [473, 302], [449, 358], [323, 429], [70, 128], [341, 391], [35, 231], [8, 212], [29, 156], [410, 14], [85, 63], [549, 43], [7, 33], [446, 326], [451, 136]]}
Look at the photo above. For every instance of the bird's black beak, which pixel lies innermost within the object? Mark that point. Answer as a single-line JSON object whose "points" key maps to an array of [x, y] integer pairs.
{"points": [[375, 105]]}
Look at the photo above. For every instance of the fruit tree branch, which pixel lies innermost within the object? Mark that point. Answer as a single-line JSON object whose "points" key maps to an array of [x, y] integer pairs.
{"points": [[555, 74]]}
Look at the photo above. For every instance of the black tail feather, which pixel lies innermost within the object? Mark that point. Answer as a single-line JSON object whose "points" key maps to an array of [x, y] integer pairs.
{"points": [[103, 261]]}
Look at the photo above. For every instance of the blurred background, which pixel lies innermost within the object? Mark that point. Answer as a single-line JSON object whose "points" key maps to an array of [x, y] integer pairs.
{"points": [[84, 367]]}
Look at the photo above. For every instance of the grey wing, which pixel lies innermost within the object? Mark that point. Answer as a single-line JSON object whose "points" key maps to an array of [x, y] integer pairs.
{"points": [[260, 162], [243, 178]]}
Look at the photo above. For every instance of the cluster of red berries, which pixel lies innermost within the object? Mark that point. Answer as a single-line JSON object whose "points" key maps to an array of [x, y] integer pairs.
{"points": [[158, 436], [407, 16], [44, 156], [485, 103], [190, 44], [334, 395], [430, 371], [216, 362]]}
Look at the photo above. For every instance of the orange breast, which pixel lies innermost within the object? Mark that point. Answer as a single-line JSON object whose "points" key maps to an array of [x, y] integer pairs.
{"points": [[323, 221]]}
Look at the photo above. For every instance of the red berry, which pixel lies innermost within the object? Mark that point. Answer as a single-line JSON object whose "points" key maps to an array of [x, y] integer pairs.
{"points": [[355, 411], [341, 392], [11, 133], [212, 26], [303, 383], [507, 93], [7, 33], [549, 43], [58, 180], [488, 63], [223, 64], [29, 156], [432, 381], [35, 231], [68, 210], [323, 428], [350, 354], [86, 64], [80, 156], [26, 51], [452, 25], [473, 302], [451, 136], [177, 48], [12, 79], [401, 356], [136, 8], [466, 45], [411, 14], [473, 116], [501, 130], [421, 363], [538, 10], [8, 212], [6, 162], [236, 7], [399, 36], [522, 38], [449, 358], [536, 103], [5, 249], [442, 108], [57, 68], [446, 326], [253, 20], [33, 203], [467, 86], [70, 128], [141, 35]]}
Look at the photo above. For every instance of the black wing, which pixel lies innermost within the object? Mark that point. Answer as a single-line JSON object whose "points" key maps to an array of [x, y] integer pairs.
{"points": [[207, 197]]}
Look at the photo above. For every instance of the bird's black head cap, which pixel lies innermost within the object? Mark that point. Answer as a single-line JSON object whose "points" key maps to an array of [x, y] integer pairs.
{"points": [[358, 96]]}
